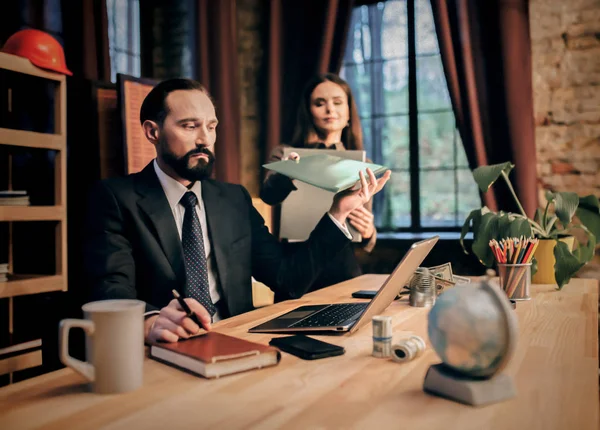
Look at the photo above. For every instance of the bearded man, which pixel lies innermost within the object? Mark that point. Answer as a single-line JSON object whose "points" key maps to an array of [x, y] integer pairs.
{"points": [[171, 227]]}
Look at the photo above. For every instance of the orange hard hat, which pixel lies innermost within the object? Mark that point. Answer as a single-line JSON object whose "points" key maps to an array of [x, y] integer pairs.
{"points": [[40, 48]]}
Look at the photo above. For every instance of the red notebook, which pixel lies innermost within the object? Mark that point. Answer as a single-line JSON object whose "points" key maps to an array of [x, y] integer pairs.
{"points": [[215, 354]]}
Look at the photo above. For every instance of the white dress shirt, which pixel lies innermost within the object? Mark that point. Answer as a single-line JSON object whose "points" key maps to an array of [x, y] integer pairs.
{"points": [[174, 191]]}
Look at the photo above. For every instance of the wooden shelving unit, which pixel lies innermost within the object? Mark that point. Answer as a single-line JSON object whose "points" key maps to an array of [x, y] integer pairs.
{"points": [[19, 285], [32, 213]]}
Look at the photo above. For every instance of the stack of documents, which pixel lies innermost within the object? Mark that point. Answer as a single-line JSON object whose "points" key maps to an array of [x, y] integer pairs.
{"points": [[328, 172]]}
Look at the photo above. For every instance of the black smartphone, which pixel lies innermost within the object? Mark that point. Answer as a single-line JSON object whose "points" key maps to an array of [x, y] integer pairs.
{"points": [[364, 294], [306, 347]]}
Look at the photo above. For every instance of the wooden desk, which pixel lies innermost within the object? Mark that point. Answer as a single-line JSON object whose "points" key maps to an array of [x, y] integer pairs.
{"points": [[555, 369]]}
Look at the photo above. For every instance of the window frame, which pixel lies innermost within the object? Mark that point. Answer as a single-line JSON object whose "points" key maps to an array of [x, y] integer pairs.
{"points": [[131, 53], [414, 169]]}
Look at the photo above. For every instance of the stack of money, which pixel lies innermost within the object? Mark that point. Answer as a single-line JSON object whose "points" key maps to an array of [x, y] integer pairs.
{"points": [[408, 349], [382, 336], [422, 288]]}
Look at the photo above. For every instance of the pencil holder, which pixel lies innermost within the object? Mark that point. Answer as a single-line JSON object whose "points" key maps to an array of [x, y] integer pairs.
{"points": [[515, 280]]}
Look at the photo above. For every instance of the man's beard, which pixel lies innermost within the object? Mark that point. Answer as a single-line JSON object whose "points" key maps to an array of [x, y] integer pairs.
{"points": [[202, 169]]}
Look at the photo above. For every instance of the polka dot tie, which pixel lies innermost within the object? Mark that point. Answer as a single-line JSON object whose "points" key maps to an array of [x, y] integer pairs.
{"points": [[195, 258]]}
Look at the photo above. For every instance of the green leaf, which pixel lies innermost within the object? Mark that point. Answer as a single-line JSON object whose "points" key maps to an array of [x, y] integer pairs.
{"points": [[487, 230], [589, 214], [519, 227], [565, 205], [566, 264], [550, 196], [503, 225], [585, 253], [485, 176], [475, 214], [590, 202]]}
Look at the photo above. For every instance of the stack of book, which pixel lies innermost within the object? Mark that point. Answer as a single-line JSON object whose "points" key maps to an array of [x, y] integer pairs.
{"points": [[14, 198], [3, 272]]}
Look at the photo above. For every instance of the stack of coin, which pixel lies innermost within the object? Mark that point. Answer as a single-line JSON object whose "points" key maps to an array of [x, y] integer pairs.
{"points": [[408, 349], [382, 336], [422, 288]]}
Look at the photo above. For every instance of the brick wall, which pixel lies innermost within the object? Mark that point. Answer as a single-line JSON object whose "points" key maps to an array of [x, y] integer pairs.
{"points": [[566, 82]]}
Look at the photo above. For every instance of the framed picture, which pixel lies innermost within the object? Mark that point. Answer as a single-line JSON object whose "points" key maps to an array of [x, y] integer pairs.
{"points": [[131, 91]]}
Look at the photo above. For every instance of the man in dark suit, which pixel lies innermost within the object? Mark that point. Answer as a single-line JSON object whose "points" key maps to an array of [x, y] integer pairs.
{"points": [[171, 227]]}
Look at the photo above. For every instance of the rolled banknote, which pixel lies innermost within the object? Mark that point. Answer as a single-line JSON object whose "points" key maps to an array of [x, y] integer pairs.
{"points": [[408, 349], [382, 336], [382, 327], [382, 349]]}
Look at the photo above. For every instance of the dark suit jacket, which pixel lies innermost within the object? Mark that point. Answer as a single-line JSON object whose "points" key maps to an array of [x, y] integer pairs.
{"points": [[133, 249]]}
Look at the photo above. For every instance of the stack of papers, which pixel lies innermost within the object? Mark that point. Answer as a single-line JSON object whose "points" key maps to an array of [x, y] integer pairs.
{"points": [[327, 172]]}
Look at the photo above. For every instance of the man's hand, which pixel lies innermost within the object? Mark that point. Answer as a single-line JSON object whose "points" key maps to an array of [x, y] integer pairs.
{"points": [[346, 201], [172, 324], [363, 221]]}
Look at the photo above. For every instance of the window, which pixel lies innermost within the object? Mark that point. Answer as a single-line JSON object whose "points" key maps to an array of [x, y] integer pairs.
{"points": [[124, 37], [393, 65]]}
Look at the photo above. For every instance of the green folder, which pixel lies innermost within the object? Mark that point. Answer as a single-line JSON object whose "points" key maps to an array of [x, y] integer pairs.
{"points": [[328, 172]]}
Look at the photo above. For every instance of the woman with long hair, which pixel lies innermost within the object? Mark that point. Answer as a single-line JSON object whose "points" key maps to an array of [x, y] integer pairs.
{"points": [[327, 119]]}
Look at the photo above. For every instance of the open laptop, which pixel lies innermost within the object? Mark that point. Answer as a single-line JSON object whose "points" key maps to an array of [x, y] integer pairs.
{"points": [[349, 317]]}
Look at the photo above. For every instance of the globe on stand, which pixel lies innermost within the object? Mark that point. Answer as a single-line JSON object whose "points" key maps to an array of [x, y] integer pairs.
{"points": [[474, 331]]}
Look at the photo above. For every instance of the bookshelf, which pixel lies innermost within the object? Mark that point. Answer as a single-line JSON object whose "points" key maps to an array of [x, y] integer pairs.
{"points": [[10, 138]]}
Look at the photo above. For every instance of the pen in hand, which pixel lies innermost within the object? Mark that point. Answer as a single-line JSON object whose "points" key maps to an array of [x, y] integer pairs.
{"points": [[189, 313]]}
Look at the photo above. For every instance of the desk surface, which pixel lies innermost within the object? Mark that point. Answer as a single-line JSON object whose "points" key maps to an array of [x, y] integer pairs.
{"points": [[555, 368]]}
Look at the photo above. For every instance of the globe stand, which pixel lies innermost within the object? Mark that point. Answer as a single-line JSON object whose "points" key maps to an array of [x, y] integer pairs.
{"points": [[443, 381]]}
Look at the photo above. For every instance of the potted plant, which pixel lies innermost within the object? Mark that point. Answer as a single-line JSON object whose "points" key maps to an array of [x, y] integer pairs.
{"points": [[554, 225]]}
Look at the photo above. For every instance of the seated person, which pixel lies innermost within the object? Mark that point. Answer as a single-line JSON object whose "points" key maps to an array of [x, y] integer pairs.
{"points": [[171, 227], [327, 119]]}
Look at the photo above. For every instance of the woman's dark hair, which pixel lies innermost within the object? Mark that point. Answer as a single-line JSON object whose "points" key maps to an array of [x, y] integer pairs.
{"points": [[154, 107], [351, 135]]}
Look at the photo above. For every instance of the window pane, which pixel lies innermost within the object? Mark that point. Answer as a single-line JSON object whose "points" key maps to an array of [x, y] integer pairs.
{"points": [[124, 37], [437, 199], [366, 125], [120, 17], [425, 28], [395, 211], [468, 194], [359, 78], [461, 155], [135, 28], [436, 139], [120, 62], [432, 91], [395, 86], [395, 30], [364, 34], [395, 144]]}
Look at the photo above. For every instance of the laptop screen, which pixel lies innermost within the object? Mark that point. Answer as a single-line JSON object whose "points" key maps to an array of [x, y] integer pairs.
{"points": [[397, 280]]}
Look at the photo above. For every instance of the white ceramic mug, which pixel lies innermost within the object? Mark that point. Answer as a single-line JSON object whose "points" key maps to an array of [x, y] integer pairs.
{"points": [[114, 345]]}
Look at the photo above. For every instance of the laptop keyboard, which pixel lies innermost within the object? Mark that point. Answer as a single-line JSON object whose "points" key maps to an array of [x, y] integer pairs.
{"points": [[333, 315]]}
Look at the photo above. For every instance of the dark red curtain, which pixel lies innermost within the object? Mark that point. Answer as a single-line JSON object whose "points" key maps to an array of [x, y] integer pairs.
{"points": [[217, 69], [305, 37], [85, 31], [486, 52]]}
